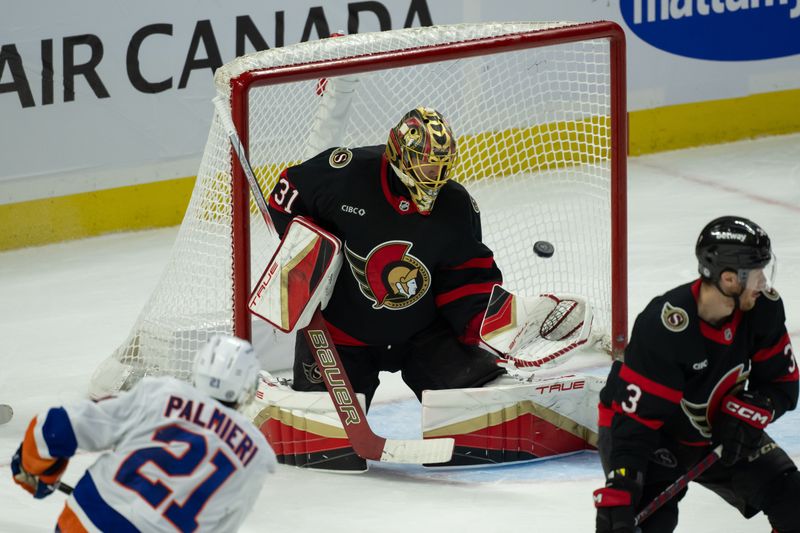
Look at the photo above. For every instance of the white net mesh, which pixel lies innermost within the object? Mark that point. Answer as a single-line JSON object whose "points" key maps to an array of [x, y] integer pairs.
{"points": [[533, 130]]}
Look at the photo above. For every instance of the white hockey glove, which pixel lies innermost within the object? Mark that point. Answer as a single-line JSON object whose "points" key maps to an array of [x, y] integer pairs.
{"points": [[537, 332]]}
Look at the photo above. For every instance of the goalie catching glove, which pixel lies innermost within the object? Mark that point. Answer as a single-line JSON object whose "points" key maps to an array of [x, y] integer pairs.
{"points": [[537, 332]]}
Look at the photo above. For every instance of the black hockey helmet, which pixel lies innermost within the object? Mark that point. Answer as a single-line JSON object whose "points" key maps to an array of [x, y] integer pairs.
{"points": [[732, 243]]}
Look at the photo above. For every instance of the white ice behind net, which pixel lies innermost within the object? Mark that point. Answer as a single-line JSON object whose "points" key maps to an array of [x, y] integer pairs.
{"points": [[534, 147]]}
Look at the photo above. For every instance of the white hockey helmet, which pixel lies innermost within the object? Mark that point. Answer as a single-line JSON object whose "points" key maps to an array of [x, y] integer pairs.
{"points": [[226, 368]]}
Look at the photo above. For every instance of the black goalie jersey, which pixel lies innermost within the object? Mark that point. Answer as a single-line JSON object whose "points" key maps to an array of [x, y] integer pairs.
{"points": [[401, 269], [678, 368]]}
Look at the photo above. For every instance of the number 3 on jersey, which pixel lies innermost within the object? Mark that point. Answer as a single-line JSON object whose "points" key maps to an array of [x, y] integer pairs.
{"points": [[630, 405], [285, 195], [183, 515]]}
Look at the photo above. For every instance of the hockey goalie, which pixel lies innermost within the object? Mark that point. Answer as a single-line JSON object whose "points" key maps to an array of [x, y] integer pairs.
{"points": [[418, 293]]}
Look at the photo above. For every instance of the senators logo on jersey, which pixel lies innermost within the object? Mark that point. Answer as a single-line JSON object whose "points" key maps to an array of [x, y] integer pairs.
{"points": [[389, 276], [701, 415]]}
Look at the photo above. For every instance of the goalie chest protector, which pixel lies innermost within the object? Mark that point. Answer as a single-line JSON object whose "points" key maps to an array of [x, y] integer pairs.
{"points": [[400, 267]]}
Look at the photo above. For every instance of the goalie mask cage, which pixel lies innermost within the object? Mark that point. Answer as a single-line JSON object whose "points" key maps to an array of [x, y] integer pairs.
{"points": [[539, 113]]}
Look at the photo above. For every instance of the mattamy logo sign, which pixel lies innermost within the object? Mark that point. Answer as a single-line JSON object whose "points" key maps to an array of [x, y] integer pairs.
{"points": [[719, 30]]}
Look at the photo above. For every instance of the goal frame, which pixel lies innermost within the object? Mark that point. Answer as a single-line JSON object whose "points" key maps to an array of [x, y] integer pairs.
{"points": [[239, 102]]}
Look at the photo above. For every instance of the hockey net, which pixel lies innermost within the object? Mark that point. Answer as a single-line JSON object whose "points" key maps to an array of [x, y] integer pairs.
{"points": [[539, 112]]}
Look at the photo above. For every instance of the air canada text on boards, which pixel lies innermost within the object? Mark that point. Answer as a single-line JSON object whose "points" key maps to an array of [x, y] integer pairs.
{"points": [[202, 51]]}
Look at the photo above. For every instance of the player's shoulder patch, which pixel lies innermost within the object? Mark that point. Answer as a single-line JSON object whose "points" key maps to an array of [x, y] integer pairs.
{"points": [[674, 318], [771, 294], [474, 203], [340, 158]]}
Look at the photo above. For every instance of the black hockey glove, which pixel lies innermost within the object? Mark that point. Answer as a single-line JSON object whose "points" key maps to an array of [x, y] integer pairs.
{"points": [[616, 502], [740, 424]]}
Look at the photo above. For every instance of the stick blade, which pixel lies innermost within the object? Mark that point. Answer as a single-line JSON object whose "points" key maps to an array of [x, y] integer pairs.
{"points": [[418, 451]]}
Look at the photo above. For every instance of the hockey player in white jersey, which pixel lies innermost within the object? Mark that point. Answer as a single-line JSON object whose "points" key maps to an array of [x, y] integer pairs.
{"points": [[180, 458]]}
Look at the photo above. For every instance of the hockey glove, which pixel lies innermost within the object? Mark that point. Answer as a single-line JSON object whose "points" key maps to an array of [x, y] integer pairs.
{"points": [[40, 485], [616, 502], [740, 424]]}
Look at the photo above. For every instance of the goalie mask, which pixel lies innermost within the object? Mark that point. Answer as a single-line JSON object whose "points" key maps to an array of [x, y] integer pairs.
{"points": [[422, 151]]}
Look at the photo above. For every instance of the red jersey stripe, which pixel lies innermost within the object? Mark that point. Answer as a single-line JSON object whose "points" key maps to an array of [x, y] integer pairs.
{"points": [[725, 333], [650, 386], [647, 422], [604, 415], [340, 338], [696, 444], [466, 290], [478, 262], [788, 378], [771, 351]]}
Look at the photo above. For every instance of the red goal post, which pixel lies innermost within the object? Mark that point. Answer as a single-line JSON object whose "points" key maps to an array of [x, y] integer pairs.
{"points": [[539, 110]]}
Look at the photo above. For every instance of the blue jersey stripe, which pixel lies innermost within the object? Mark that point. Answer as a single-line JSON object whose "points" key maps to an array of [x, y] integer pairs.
{"points": [[102, 515], [58, 433]]}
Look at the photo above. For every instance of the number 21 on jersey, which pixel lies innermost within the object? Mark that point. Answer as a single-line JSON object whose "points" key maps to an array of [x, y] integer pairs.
{"points": [[182, 514]]}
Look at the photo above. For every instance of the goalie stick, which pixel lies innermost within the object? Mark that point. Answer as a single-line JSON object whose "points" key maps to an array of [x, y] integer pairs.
{"points": [[678, 485], [236, 143], [365, 442]]}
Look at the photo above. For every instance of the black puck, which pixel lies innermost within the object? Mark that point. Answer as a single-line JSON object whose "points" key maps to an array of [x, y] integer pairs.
{"points": [[543, 249]]}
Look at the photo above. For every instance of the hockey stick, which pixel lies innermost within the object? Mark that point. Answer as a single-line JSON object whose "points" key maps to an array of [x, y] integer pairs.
{"points": [[227, 122], [678, 485], [66, 489], [365, 442]]}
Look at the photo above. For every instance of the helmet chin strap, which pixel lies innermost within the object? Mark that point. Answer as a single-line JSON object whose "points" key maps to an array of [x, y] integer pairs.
{"points": [[735, 296]]}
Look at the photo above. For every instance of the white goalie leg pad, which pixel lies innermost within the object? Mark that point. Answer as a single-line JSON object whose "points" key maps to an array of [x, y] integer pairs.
{"points": [[508, 420], [299, 277], [303, 428], [277, 400]]}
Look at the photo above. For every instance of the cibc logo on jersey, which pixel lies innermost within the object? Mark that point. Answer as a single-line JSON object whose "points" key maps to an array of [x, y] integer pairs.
{"points": [[390, 276]]}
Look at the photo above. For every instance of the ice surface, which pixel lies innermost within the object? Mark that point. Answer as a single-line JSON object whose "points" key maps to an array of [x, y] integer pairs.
{"points": [[64, 307]]}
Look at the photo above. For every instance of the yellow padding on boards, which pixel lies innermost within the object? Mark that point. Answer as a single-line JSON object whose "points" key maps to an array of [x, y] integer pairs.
{"points": [[719, 121], [163, 203], [62, 218], [537, 148]]}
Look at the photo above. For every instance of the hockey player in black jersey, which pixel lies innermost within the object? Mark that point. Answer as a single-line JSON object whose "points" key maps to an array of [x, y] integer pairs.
{"points": [[416, 278], [709, 362]]}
